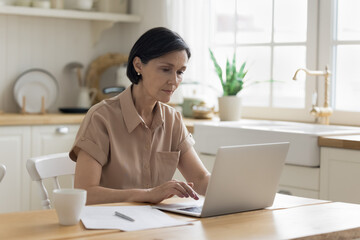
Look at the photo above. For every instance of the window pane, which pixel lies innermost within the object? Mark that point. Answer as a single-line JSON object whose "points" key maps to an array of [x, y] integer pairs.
{"points": [[258, 66], [347, 78], [254, 21], [224, 21], [289, 93], [290, 20], [348, 20]]}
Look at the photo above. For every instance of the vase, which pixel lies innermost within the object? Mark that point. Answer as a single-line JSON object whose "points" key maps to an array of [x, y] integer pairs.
{"points": [[229, 108]]}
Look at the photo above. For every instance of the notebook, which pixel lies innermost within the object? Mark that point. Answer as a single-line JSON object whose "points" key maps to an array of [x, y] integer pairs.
{"points": [[244, 178]]}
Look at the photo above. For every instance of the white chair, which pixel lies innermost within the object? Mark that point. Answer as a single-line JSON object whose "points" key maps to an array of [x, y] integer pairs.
{"points": [[2, 171], [49, 166]]}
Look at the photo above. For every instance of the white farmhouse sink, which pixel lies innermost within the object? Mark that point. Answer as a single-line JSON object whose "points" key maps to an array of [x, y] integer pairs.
{"points": [[303, 137]]}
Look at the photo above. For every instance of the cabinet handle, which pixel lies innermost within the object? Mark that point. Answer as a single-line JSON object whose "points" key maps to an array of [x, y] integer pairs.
{"points": [[62, 130]]}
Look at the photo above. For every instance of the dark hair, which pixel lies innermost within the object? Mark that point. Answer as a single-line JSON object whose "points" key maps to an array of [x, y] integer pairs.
{"points": [[154, 43]]}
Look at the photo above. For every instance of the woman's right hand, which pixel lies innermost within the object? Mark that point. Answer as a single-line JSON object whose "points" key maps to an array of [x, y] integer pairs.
{"points": [[171, 188]]}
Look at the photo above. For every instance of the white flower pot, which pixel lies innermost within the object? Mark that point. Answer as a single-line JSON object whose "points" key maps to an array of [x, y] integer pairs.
{"points": [[229, 108]]}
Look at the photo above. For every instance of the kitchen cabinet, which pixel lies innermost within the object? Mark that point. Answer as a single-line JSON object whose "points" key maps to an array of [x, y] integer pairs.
{"points": [[100, 21], [18, 143], [15, 148], [340, 174], [300, 181], [47, 140], [68, 14]]}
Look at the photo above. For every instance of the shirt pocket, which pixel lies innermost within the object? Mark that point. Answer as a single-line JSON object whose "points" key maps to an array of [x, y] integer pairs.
{"points": [[166, 164]]}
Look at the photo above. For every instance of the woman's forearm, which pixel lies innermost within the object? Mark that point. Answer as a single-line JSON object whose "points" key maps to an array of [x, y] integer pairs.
{"points": [[200, 185], [98, 195]]}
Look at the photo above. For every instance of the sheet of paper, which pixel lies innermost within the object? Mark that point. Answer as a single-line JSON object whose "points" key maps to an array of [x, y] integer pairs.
{"points": [[286, 201], [146, 217]]}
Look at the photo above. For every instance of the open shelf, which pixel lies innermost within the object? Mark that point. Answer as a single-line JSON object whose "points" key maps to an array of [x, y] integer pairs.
{"points": [[69, 14]]}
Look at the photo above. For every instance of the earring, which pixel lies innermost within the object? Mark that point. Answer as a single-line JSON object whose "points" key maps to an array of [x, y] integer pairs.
{"points": [[138, 74]]}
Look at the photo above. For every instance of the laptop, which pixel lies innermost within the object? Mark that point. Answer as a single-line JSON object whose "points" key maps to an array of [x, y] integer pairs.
{"points": [[244, 178]]}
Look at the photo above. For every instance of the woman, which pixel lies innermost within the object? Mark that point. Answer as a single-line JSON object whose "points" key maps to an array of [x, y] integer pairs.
{"points": [[129, 146]]}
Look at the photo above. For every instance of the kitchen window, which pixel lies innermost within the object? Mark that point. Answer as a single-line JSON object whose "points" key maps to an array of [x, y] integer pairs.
{"points": [[343, 50], [275, 37]]}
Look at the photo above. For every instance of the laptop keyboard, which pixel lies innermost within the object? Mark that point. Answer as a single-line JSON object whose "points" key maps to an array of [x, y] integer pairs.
{"points": [[192, 209]]}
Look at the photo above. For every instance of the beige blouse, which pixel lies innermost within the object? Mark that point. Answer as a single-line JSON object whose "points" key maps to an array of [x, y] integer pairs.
{"points": [[131, 154]]}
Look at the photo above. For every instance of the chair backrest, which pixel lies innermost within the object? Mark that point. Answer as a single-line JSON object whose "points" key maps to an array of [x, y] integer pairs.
{"points": [[2, 171], [49, 166]]}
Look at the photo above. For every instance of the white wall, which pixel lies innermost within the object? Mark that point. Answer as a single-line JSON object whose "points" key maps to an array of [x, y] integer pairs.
{"points": [[50, 43]]}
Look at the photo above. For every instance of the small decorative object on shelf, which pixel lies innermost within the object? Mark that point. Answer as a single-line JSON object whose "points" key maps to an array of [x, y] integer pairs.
{"points": [[41, 3], [78, 4], [57, 4], [112, 6], [23, 3]]}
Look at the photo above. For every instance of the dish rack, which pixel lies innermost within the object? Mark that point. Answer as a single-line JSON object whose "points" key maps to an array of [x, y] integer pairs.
{"points": [[35, 90], [23, 107]]}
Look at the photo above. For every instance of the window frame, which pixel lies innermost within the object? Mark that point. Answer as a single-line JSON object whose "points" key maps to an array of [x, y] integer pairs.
{"points": [[289, 114], [319, 53], [327, 55], [295, 114]]}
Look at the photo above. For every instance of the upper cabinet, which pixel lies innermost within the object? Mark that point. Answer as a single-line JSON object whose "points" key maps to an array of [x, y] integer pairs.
{"points": [[69, 14], [100, 20]]}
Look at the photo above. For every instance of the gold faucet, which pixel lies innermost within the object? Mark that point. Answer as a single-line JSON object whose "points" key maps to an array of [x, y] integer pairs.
{"points": [[323, 112]]}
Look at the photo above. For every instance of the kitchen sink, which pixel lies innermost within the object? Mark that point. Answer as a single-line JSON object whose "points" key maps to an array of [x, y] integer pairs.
{"points": [[303, 137]]}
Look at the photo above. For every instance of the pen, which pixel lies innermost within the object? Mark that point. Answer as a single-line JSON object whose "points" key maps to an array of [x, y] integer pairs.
{"points": [[123, 216]]}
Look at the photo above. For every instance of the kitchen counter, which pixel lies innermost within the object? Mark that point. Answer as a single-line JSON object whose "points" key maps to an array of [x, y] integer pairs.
{"points": [[345, 141], [189, 122], [16, 119]]}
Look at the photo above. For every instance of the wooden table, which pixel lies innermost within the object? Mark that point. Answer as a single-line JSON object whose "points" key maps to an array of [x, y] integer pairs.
{"points": [[292, 218]]}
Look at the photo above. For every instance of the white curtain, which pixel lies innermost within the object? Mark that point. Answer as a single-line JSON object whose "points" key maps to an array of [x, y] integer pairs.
{"points": [[191, 19]]}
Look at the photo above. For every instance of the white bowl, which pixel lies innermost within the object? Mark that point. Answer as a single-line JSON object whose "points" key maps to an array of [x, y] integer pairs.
{"points": [[41, 4], [78, 4]]}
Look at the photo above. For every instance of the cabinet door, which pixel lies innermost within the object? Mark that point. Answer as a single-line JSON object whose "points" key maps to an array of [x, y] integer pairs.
{"points": [[52, 139], [14, 151], [48, 140], [340, 175], [300, 192]]}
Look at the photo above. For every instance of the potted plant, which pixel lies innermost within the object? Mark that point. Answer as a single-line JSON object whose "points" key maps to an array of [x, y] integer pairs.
{"points": [[230, 103]]}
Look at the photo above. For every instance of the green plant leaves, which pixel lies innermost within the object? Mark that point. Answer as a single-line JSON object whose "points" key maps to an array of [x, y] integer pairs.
{"points": [[217, 67], [234, 79]]}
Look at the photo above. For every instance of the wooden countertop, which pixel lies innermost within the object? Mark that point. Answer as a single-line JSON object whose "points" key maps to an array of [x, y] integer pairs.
{"points": [[344, 141], [16, 119]]}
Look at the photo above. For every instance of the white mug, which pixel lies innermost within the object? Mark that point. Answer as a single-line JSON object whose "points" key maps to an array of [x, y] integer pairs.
{"points": [[68, 203], [86, 97]]}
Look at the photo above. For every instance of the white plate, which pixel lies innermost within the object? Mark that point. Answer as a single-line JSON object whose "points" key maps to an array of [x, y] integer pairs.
{"points": [[35, 84]]}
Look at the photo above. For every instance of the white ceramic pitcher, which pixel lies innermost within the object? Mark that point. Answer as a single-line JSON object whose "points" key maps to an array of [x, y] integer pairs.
{"points": [[86, 97]]}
